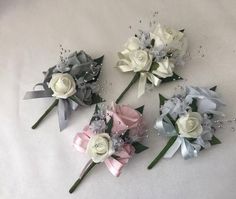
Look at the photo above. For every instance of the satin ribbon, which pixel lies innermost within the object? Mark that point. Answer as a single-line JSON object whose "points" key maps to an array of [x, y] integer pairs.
{"points": [[143, 80], [188, 150], [84, 69], [64, 112], [208, 100], [124, 66], [114, 165], [165, 127], [144, 76]]}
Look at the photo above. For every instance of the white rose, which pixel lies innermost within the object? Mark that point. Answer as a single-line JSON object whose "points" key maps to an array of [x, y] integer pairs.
{"points": [[133, 43], [100, 147], [63, 85], [164, 36], [140, 60], [190, 125], [165, 69]]}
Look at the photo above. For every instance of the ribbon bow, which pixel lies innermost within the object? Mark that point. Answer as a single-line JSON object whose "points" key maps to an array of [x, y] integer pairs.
{"points": [[188, 150], [85, 71], [114, 165], [144, 76]]}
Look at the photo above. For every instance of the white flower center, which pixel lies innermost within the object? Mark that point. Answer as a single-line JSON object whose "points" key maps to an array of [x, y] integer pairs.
{"points": [[192, 124], [101, 145], [140, 57], [62, 85]]}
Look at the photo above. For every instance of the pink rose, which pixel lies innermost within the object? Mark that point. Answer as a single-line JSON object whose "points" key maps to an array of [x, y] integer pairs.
{"points": [[124, 118]]}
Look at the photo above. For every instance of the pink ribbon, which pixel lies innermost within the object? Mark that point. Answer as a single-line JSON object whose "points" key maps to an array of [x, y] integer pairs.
{"points": [[124, 118], [114, 165]]}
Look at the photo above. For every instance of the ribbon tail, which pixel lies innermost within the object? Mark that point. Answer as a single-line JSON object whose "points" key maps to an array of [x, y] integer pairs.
{"points": [[187, 150], [73, 105], [114, 166], [154, 79], [38, 94], [63, 113], [174, 148], [142, 84]]}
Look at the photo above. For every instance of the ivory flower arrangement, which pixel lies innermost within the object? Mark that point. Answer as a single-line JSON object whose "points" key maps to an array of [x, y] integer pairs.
{"points": [[112, 137], [152, 57], [187, 120], [72, 83]]}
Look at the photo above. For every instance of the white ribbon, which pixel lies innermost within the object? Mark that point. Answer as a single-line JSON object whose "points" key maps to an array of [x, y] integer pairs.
{"points": [[187, 149], [143, 80]]}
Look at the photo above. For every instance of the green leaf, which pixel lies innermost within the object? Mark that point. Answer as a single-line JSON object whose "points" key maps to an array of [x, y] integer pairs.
{"points": [[140, 109], [152, 42], [193, 105], [75, 99], [94, 114], [97, 99], [163, 152], [174, 77], [125, 135], [99, 60], [139, 147], [214, 140], [171, 119], [162, 100], [213, 88], [109, 126], [154, 66]]}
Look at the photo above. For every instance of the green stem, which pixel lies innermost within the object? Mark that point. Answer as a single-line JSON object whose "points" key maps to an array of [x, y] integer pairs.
{"points": [[135, 78], [45, 114], [87, 168], [162, 153]]}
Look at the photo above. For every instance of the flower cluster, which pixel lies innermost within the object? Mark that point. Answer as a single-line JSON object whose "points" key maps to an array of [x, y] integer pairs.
{"points": [[112, 136], [153, 55], [72, 83], [187, 118]]}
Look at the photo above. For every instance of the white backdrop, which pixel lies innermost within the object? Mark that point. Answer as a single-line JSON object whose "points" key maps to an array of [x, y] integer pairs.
{"points": [[42, 164]]}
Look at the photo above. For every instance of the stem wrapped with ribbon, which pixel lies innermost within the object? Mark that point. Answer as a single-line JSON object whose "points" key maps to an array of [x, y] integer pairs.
{"points": [[112, 137], [152, 56], [187, 119], [72, 83]]}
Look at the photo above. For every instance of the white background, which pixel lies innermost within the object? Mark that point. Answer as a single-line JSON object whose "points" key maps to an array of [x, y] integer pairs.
{"points": [[42, 164]]}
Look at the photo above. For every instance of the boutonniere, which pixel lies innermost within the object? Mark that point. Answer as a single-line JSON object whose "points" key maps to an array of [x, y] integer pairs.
{"points": [[152, 56], [72, 83], [188, 120], [112, 137]]}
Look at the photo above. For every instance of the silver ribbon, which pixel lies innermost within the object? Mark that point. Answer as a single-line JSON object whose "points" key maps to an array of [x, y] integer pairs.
{"points": [[64, 112], [188, 150], [85, 71], [38, 94], [165, 127], [208, 100]]}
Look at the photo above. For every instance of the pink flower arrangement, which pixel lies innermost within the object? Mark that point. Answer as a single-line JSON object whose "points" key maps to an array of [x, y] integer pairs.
{"points": [[112, 137]]}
